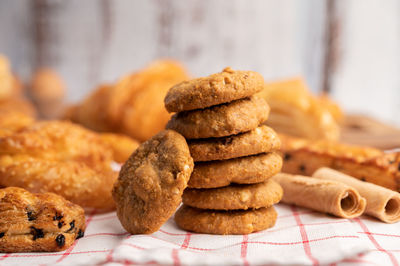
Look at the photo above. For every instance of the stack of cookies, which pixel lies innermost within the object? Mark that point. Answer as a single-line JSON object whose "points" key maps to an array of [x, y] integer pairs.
{"points": [[229, 191]]}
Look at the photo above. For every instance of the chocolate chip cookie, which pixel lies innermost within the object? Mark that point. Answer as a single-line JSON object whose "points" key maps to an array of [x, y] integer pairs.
{"points": [[151, 182], [38, 222], [221, 120], [259, 140], [227, 86], [225, 222]]}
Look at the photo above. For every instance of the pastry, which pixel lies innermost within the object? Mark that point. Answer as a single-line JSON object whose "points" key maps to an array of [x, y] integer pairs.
{"points": [[9, 84], [225, 222], [295, 111], [122, 146], [222, 120], [150, 185], [259, 140], [234, 197], [62, 158], [134, 105], [224, 87], [321, 195], [242, 170], [382, 203], [304, 157], [38, 222], [12, 121]]}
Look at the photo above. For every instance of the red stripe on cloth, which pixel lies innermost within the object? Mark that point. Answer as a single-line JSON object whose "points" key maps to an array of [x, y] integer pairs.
{"points": [[175, 257], [378, 234], [5, 256], [69, 250], [186, 241], [243, 252], [374, 242], [304, 237], [298, 242]]}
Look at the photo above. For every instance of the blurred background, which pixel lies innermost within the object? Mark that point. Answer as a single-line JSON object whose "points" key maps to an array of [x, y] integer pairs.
{"points": [[350, 49]]}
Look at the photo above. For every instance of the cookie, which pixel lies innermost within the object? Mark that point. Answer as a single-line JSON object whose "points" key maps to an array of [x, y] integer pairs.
{"points": [[225, 222], [150, 185], [221, 120], [259, 140], [244, 170], [59, 157], [122, 146], [234, 197], [38, 222], [227, 86]]}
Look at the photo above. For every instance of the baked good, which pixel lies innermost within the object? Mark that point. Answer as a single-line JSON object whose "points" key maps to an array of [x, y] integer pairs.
{"points": [[59, 157], [242, 170], [382, 203], [134, 105], [9, 84], [234, 197], [12, 121], [91, 111], [150, 185], [122, 146], [295, 111], [225, 222], [224, 87], [321, 195], [38, 222], [304, 157], [221, 120], [259, 140]]}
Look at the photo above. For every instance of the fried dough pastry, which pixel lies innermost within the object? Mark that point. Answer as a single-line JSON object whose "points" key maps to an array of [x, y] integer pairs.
{"points": [[122, 146], [62, 158], [38, 222], [295, 111], [304, 157], [134, 105], [12, 121]]}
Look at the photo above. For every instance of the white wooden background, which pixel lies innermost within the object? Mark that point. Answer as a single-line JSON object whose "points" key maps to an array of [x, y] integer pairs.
{"points": [[349, 48]]}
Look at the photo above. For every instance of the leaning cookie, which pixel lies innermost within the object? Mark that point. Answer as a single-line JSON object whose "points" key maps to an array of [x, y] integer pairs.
{"points": [[221, 120], [234, 197], [227, 86], [150, 185], [259, 140], [225, 222], [244, 170], [38, 222]]}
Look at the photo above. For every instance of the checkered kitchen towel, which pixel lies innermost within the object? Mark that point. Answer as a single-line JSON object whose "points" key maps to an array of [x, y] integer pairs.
{"points": [[299, 237]]}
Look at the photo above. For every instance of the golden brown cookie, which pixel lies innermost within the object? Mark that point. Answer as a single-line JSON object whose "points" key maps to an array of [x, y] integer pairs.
{"points": [[59, 157], [244, 170], [221, 120], [151, 182], [224, 87], [225, 222], [234, 197], [38, 222], [259, 140]]}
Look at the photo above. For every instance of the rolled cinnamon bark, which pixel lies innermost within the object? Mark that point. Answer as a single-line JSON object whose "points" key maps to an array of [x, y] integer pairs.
{"points": [[382, 203], [321, 195]]}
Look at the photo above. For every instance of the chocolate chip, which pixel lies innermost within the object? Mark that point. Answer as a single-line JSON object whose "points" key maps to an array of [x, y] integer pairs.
{"points": [[80, 234], [37, 233], [60, 224], [287, 156], [302, 168], [60, 239], [57, 217], [363, 179], [31, 216], [2, 234], [398, 167], [72, 225]]}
